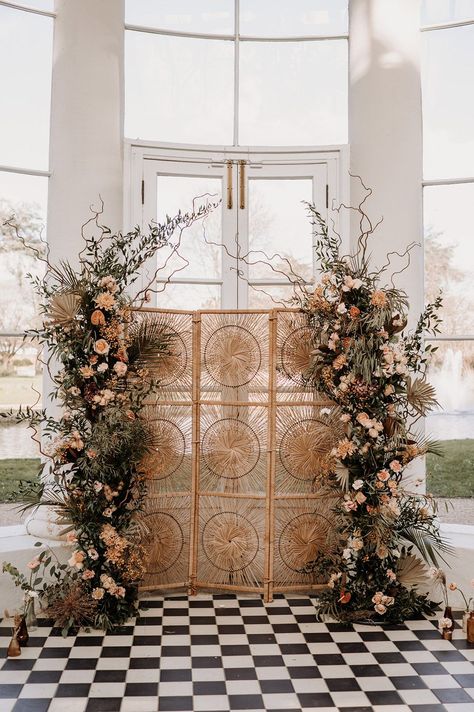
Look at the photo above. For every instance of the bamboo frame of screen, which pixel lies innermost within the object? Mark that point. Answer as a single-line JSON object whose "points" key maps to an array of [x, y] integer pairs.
{"points": [[270, 498]]}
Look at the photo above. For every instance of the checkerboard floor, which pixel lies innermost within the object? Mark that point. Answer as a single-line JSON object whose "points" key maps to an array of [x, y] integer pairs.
{"points": [[227, 652]]}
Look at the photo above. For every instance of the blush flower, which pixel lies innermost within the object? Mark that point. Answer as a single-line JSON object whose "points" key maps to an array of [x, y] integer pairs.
{"points": [[105, 300], [120, 368], [396, 466]]}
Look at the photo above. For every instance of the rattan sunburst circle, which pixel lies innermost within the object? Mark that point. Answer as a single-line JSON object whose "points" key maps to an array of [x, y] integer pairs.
{"points": [[164, 543], [302, 538], [171, 365], [303, 446], [232, 356], [166, 452], [230, 542], [230, 448], [296, 354]]}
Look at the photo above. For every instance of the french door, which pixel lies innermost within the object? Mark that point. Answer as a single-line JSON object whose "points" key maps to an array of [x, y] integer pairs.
{"points": [[258, 240]]}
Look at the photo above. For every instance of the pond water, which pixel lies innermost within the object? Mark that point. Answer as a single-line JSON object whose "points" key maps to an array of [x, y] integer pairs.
{"points": [[16, 442]]}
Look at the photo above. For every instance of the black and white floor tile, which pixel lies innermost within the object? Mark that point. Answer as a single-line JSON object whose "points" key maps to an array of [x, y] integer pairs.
{"points": [[224, 652]]}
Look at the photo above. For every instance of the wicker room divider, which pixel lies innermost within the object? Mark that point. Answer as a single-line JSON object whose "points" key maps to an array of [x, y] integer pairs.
{"points": [[238, 446]]}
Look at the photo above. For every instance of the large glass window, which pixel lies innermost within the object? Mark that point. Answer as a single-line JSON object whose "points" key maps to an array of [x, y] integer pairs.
{"points": [[247, 73], [26, 37], [448, 129]]}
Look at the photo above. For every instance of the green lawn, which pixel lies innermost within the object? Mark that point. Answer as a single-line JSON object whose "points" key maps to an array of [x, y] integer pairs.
{"points": [[449, 476], [14, 471], [453, 474]]}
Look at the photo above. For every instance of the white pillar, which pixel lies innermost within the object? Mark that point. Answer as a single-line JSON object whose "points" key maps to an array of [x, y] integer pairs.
{"points": [[86, 155], [385, 129], [385, 135], [86, 145]]}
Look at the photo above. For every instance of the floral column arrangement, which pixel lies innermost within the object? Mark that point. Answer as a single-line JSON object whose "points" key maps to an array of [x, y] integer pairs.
{"points": [[367, 363], [93, 451]]}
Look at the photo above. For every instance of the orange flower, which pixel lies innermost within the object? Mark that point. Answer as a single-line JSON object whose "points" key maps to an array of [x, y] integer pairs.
{"points": [[378, 298], [121, 354], [354, 312], [345, 597], [339, 362], [97, 318]]}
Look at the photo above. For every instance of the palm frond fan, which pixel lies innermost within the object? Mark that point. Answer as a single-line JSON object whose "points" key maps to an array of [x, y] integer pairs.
{"points": [[411, 571], [148, 337], [63, 307], [342, 476], [421, 395]]}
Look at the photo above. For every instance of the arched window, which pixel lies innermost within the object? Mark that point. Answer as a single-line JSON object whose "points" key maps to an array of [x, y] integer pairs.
{"points": [[26, 39], [246, 101], [448, 195]]}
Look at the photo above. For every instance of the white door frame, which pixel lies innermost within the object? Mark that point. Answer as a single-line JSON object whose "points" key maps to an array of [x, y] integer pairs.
{"points": [[266, 162]]}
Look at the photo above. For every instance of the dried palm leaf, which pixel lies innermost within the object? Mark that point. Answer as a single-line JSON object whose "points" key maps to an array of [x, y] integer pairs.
{"points": [[411, 571], [342, 477], [64, 307], [149, 337], [421, 395]]}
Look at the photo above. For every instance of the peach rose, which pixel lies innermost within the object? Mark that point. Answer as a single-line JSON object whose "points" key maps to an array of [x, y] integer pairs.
{"points": [[101, 347]]}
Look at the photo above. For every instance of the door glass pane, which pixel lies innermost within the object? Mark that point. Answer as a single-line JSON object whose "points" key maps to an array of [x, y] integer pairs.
{"points": [[435, 12], [178, 89], [452, 374], [449, 254], [205, 16], [293, 93], [448, 102], [189, 296], [191, 252], [280, 18], [26, 42], [279, 227]]}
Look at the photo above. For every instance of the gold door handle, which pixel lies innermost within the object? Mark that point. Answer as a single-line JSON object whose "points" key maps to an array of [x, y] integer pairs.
{"points": [[242, 184], [229, 185]]}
